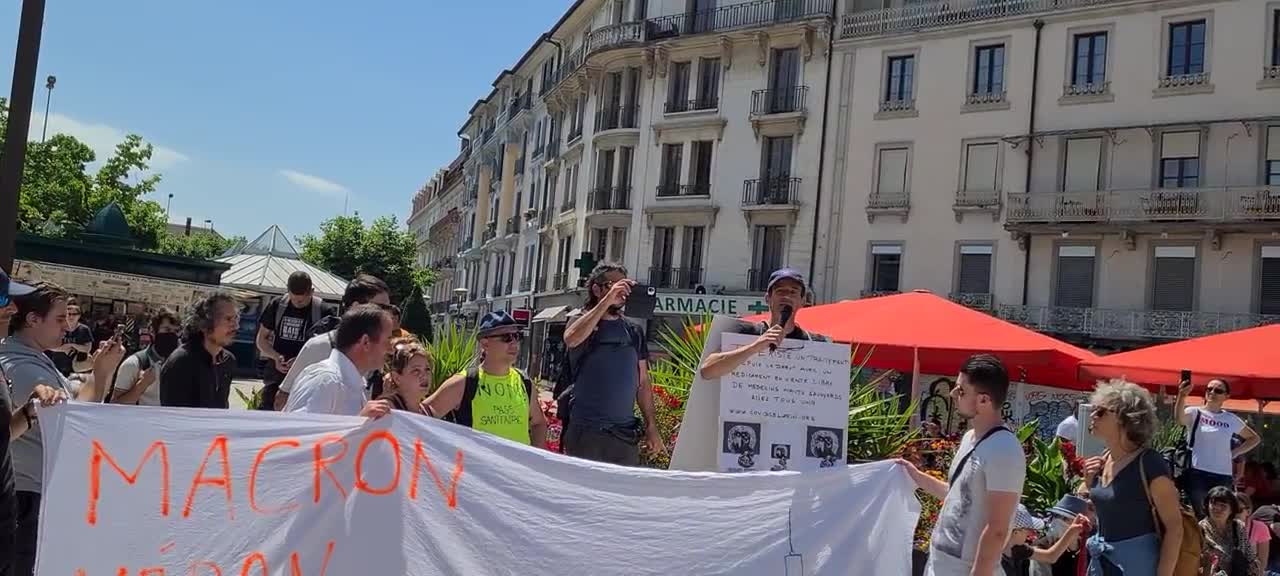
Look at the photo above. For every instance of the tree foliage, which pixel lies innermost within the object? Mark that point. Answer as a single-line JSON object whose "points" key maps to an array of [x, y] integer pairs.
{"points": [[346, 247], [204, 246], [415, 318], [60, 195]]}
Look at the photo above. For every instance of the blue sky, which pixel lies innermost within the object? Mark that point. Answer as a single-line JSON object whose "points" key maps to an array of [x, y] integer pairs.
{"points": [[271, 112]]}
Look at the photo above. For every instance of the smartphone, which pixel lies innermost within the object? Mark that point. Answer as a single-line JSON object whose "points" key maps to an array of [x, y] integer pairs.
{"points": [[642, 301], [1186, 377]]}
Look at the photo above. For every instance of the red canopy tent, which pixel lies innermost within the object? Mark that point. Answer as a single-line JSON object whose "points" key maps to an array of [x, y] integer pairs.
{"points": [[1248, 359], [945, 334]]}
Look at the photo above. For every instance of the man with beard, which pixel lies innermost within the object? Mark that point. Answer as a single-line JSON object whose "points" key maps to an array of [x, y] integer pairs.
{"points": [[139, 372], [981, 497], [786, 290], [198, 374]]}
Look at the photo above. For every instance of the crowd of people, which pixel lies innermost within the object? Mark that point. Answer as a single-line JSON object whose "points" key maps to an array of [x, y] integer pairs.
{"points": [[1126, 518]]}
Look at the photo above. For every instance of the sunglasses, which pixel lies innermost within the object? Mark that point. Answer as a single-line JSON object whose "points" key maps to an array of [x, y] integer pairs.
{"points": [[1100, 412], [1215, 390], [508, 337]]}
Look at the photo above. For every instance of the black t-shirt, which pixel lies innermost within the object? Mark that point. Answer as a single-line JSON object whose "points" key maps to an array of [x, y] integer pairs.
{"points": [[1123, 508], [81, 334], [293, 329], [1270, 515], [797, 333], [1016, 562]]}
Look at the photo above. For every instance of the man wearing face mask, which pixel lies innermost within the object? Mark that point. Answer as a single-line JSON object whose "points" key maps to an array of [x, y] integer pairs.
{"points": [[136, 378]]}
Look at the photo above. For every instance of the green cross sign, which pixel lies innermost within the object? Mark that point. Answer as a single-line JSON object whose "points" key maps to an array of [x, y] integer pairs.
{"points": [[585, 263], [758, 307]]}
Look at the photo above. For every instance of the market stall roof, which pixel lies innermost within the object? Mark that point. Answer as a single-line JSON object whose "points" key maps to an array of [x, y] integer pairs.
{"points": [[1244, 358], [945, 334], [265, 264]]}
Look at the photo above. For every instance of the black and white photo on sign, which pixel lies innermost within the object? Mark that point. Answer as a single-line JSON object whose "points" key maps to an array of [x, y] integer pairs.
{"points": [[781, 453], [742, 439], [825, 444]]}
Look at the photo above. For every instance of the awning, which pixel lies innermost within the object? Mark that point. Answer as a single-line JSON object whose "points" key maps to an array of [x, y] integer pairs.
{"points": [[1246, 359], [552, 314], [946, 334]]}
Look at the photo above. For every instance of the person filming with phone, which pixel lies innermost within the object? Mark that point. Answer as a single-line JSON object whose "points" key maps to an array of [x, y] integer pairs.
{"points": [[1209, 433], [785, 295], [609, 363]]}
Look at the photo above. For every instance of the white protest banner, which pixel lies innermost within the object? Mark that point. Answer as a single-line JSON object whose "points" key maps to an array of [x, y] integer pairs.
{"points": [[138, 491], [696, 448], [785, 410]]}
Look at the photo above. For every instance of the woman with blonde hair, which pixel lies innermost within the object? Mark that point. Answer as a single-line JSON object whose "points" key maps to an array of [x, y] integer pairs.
{"points": [[409, 373], [1139, 518]]}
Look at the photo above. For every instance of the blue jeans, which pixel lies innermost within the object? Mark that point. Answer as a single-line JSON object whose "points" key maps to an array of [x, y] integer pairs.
{"points": [[1199, 483], [1135, 556]]}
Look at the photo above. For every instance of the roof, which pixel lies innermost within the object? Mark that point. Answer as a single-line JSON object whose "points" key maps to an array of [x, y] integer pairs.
{"points": [[1244, 358], [265, 264], [891, 331]]}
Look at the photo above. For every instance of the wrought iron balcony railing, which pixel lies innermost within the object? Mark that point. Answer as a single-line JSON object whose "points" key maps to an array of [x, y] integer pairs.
{"points": [[775, 101], [777, 191], [676, 278], [673, 190], [1233, 204], [1129, 324], [609, 198]]}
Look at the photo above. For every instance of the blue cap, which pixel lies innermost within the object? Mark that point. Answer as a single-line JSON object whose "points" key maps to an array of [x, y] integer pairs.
{"points": [[493, 321], [10, 289], [1070, 506], [786, 274]]}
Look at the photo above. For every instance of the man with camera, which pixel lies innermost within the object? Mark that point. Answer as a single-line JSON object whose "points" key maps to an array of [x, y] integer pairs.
{"points": [[608, 360], [785, 294]]}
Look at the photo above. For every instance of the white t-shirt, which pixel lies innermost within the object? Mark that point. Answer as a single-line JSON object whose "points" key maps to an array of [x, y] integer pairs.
{"points": [[127, 376], [1212, 451], [997, 465], [1069, 429], [314, 351], [333, 386]]}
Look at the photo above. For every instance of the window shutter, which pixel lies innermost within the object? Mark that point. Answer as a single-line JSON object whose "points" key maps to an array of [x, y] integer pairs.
{"points": [[892, 172], [618, 244], [1075, 277], [1273, 139], [1084, 161], [980, 167], [1174, 279], [975, 270], [1269, 278]]}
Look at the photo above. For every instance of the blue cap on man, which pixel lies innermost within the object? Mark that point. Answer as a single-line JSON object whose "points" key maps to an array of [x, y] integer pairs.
{"points": [[10, 289], [492, 321], [786, 274]]}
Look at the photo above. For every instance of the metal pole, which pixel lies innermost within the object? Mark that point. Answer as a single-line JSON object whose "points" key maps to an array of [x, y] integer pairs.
{"points": [[22, 92], [47, 100], [167, 206]]}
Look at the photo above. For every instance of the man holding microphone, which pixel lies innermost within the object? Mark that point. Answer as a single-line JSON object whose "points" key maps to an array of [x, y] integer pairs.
{"points": [[785, 294]]}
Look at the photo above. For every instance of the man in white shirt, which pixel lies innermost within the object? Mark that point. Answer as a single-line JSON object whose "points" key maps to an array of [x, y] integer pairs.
{"points": [[1069, 427], [336, 384]]}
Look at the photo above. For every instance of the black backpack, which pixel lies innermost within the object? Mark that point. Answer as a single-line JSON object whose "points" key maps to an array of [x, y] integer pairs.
{"points": [[144, 364], [562, 391], [462, 414]]}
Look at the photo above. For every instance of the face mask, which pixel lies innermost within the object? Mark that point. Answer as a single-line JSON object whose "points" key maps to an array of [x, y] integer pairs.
{"points": [[164, 343]]}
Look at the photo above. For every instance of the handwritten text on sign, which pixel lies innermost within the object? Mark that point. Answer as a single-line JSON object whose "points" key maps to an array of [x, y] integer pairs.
{"points": [[140, 491], [784, 410]]}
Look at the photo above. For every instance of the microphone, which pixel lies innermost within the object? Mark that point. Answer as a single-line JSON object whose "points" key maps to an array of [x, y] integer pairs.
{"points": [[784, 317]]}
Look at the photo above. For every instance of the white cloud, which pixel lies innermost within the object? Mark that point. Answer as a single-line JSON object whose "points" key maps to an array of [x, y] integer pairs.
{"points": [[101, 138], [315, 183]]}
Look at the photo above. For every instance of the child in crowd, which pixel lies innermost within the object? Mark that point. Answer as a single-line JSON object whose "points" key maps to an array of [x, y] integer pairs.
{"points": [[1018, 553]]}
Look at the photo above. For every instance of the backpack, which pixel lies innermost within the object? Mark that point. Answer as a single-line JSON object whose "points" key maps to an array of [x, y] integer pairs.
{"points": [[462, 414], [1188, 563], [562, 391], [283, 302], [144, 364]]}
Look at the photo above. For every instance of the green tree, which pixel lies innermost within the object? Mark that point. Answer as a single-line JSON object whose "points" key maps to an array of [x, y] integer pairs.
{"points": [[205, 246], [415, 318], [346, 247]]}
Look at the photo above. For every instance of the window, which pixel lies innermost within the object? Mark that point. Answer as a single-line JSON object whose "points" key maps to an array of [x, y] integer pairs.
{"points": [[678, 97], [548, 74], [672, 155], [663, 253], [900, 79], [1180, 160], [626, 156], [1186, 48], [1269, 280], [783, 78], [1275, 37], [891, 172], [980, 167], [886, 267], [708, 83], [1083, 165], [617, 244], [974, 274], [768, 246], [1073, 282], [1273, 156], [604, 169], [691, 256], [1089, 66], [600, 243], [700, 171], [1173, 278], [526, 275], [777, 159], [988, 70]]}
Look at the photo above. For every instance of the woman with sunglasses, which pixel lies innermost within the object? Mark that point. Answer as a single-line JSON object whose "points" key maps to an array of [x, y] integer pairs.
{"points": [[1209, 433], [408, 375]]}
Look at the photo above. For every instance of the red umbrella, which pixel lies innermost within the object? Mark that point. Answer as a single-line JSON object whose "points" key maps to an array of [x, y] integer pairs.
{"points": [[945, 334], [1247, 359]]}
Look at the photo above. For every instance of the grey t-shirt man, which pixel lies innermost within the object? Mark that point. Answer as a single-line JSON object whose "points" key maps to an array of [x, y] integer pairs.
{"points": [[997, 465], [608, 374], [25, 366]]}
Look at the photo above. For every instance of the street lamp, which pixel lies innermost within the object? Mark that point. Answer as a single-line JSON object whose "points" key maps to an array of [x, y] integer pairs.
{"points": [[459, 294], [167, 206], [48, 84]]}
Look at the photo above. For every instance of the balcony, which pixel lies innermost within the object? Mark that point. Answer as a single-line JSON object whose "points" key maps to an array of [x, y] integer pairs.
{"points": [[513, 226], [780, 191], [490, 232], [1082, 93], [918, 17], [575, 133], [736, 16], [519, 104], [569, 204], [758, 279], [616, 118], [1245, 205], [985, 101], [1180, 84], [784, 101], [695, 105], [560, 281], [884, 204], [673, 190], [1129, 324], [977, 201], [616, 36], [897, 108], [545, 218], [675, 278], [526, 284], [983, 302]]}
